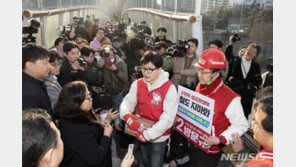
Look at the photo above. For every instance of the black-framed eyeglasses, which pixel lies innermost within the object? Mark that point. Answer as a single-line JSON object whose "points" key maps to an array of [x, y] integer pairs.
{"points": [[88, 96], [149, 70]]}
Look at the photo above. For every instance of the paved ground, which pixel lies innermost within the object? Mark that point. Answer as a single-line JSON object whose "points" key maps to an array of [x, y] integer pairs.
{"points": [[137, 153]]}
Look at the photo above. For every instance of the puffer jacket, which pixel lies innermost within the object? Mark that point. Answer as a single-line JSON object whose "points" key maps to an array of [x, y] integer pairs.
{"points": [[114, 81]]}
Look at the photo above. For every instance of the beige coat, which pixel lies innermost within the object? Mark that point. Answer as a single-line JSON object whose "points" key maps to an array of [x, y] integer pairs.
{"points": [[190, 73]]}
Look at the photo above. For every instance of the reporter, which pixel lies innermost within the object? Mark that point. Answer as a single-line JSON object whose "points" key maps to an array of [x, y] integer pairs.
{"points": [[244, 76], [70, 69], [86, 140]]}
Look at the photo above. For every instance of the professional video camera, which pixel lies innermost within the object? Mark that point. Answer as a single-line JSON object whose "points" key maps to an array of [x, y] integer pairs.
{"points": [[65, 30], [178, 49], [30, 30], [141, 33]]}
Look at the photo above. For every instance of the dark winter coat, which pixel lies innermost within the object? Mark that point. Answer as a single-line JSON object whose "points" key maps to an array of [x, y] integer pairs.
{"points": [[34, 94], [84, 145]]}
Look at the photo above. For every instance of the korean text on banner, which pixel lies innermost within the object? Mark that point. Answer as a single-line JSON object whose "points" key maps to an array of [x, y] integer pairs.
{"points": [[195, 116]]}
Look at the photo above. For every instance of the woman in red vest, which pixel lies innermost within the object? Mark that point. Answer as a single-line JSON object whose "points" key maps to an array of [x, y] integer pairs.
{"points": [[157, 100], [228, 112]]}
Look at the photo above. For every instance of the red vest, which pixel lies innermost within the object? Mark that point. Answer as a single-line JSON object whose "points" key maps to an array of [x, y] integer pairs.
{"points": [[263, 158], [222, 95], [150, 104]]}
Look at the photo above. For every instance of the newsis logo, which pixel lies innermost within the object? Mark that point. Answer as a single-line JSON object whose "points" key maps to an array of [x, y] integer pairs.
{"points": [[240, 157]]}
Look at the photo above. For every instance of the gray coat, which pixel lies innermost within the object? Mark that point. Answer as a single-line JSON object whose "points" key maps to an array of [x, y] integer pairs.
{"points": [[53, 89], [190, 73]]}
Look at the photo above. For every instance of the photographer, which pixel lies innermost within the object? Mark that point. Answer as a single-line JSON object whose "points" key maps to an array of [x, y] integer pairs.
{"points": [[71, 35], [91, 74], [59, 43], [131, 48], [87, 23], [183, 68], [114, 75], [244, 76], [167, 60], [81, 30], [145, 28], [117, 43], [94, 28], [71, 70]]}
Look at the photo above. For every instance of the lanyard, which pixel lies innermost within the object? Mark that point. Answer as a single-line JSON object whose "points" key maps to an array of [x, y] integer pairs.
{"points": [[244, 70]]}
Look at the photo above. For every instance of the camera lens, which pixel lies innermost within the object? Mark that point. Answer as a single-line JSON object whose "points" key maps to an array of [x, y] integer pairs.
{"points": [[187, 46]]}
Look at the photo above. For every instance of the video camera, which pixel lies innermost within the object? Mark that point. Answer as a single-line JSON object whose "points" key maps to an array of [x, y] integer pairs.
{"points": [[179, 49], [65, 30], [30, 30], [141, 33]]}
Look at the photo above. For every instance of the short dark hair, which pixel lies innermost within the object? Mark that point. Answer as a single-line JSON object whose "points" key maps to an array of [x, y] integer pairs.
{"points": [[37, 136], [116, 39], [31, 52], [87, 16], [153, 58], [53, 56], [161, 28], [58, 40], [265, 103], [97, 30], [216, 42], [193, 40], [69, 45], [256, 46], [86, 50]]}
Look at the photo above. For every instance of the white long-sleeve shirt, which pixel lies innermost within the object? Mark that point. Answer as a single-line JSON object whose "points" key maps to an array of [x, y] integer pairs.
{"points": [[237, 119], [170, 107]]}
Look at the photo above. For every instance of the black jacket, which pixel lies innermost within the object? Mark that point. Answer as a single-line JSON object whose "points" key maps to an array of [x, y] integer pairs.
{"points": [[168, 42], [132, 52], [34, 94], [87, 24], [178, 150], [91, 73], [84, 145], [83, 32], [66, 75], [235, 80]]}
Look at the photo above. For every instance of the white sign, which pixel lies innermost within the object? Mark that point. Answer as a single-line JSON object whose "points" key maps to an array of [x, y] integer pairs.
{"points": [[196, 108]]}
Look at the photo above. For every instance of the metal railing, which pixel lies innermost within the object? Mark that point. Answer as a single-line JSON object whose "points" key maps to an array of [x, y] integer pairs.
{"points": [[52, 4], [55, 13], [181, 18]]}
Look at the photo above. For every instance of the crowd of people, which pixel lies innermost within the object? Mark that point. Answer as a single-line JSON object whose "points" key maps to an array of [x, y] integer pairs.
{"points": [[97, 80]]}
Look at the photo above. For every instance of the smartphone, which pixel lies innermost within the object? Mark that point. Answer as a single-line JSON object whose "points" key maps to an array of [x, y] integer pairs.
{"points": [[130, 149]]}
